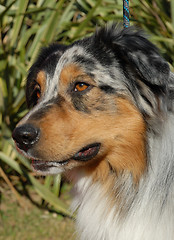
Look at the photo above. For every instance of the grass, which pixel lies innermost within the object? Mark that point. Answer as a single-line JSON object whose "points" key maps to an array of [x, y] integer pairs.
{"points": [[31, 222]]}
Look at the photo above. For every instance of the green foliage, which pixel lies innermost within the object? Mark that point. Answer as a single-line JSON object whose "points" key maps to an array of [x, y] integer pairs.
{"points": [[27, 25], [157, 18]]}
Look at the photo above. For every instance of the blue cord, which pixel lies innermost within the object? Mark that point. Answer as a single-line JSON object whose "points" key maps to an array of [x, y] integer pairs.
{"points": [[126, 21]]}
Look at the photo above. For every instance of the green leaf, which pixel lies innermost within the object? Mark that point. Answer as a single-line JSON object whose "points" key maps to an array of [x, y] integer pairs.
{"points": [[56, 185], [4, 10], [18, 21], [84, 24]]}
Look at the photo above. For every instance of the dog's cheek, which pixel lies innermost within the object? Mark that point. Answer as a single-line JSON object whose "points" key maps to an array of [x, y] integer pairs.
{"points": [[123, 136], [99, 102]]}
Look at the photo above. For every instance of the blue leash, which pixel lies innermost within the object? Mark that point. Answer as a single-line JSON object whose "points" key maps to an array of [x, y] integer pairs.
{"points": [[126, 21]]}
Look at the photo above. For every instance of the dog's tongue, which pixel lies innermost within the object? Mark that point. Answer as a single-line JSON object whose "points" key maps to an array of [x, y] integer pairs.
{"points": [[85, 152]]}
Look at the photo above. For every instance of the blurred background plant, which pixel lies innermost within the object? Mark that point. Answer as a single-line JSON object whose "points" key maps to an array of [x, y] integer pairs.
{"points": [[27, 25]]}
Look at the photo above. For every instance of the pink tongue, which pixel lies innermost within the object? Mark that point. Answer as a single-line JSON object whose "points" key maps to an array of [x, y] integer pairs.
{"points": [[86, 152]]}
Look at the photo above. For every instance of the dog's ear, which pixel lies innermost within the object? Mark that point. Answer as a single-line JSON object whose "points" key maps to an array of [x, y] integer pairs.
{"points": [[133, 49]]}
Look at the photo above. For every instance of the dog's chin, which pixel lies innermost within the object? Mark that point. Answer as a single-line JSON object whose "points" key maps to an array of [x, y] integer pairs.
{"points": [[47, 167], [55, 167]]}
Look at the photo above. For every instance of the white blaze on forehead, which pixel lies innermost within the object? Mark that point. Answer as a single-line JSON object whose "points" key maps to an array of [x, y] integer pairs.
{"points": [[66, 58]]}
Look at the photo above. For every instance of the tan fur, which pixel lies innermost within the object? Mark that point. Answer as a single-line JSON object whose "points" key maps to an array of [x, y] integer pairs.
{"points": [[122, 137], [71, 73], [41, 80], [127, 147]]}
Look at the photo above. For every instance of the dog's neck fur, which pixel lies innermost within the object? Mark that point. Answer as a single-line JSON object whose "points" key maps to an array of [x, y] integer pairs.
{"points": [[149, 208]]}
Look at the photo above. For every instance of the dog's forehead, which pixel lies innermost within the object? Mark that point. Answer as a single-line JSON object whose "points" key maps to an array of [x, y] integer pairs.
{"points": [[69, 57], [84, 58]]}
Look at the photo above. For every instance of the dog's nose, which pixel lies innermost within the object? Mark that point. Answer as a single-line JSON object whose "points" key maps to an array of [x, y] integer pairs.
{"points": [[25, 136]]}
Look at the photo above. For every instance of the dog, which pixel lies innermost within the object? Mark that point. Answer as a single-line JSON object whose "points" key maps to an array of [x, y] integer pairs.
{"points": [[101, 112]]}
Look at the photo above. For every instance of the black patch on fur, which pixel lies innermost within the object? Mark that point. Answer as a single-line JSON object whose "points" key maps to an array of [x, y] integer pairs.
{"points": [[131, 45], [84, 60], [107, 89], [40, 113], [31, 96], [79, 105], [48, 58], [58, 100], [99, 50]]}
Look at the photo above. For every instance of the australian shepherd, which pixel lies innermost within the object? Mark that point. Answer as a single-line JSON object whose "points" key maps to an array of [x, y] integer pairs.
{"points": [[101, 112]]}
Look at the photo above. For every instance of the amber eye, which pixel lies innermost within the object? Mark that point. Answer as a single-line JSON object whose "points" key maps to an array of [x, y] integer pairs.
{"points": [[37, 91], [79, 87]]}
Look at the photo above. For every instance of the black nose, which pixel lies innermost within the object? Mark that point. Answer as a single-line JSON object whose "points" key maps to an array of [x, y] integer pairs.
{"points": [[25, 136]]}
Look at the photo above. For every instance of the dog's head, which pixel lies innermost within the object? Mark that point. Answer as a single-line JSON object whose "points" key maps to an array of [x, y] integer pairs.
{"points": [[91, 102]]}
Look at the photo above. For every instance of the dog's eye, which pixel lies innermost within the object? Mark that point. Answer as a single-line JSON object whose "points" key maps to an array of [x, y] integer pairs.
{"points": [[81, 86], [37, 92]]}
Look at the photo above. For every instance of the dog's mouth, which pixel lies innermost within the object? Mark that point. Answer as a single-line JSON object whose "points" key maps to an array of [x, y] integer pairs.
{"points": [[85, 154]]}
